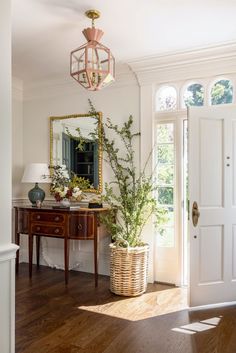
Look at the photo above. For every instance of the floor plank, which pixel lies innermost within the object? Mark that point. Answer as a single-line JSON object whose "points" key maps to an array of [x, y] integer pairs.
{"points": [[53, 318]]}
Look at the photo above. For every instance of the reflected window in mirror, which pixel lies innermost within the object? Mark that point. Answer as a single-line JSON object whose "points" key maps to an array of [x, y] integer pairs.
{"points": [[75, 142]]}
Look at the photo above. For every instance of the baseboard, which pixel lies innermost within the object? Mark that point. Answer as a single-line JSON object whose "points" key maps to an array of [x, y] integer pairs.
{"points": [[211, 306]]}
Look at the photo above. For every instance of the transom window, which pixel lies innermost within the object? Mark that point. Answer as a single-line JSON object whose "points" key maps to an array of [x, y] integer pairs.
{"points": [[166, 98], [194, 95], [170, 98], [222, 92]]}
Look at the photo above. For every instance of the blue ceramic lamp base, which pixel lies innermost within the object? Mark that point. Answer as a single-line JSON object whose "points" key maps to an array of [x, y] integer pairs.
{"points": [[36, 194]]}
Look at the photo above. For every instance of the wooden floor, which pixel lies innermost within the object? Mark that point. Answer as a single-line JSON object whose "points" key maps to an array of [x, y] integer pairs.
{"points": [[51, 318]]}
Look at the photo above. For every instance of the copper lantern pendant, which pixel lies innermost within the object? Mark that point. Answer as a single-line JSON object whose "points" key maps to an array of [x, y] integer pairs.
{"points": [[92, 65]]}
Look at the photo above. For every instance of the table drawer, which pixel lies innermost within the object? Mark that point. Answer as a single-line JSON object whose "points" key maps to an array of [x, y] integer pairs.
{"points": [[54, 231], [82, 226], [48, 217]]}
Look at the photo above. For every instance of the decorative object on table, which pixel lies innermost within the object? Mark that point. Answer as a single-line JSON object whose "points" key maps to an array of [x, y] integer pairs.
{"points": [[35, 173], [132, 201], [38, 203], [92, 65], [65, 187], [95, 202]]}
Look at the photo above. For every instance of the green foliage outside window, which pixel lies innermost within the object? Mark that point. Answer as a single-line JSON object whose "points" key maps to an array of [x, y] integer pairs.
{"points": [[165, 153], [166, 195], [194, 95], [165, 133], [222, 92], [165, 175], [165, 181]]}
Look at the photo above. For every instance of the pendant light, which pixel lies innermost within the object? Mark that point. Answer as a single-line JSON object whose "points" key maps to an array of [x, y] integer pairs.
{"points": [[92, 65]]}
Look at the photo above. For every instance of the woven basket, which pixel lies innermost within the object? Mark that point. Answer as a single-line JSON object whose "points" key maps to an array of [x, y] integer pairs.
{"points": [[128, 270]]}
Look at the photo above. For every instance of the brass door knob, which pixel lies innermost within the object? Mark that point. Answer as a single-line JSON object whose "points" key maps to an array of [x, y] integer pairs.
{"points": [[195, 214]]}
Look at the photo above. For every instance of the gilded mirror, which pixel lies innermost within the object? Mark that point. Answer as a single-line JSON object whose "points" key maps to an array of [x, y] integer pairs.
{"points": [[75, 142]]}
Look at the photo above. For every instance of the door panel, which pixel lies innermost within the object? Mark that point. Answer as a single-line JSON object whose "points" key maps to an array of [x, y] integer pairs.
{"points": [[210, 259], [234, 162], [211, 150], [234, 253], [211, 169]]}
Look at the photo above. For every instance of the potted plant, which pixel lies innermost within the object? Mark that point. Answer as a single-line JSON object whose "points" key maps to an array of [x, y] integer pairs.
{"points": [[131, 197]]}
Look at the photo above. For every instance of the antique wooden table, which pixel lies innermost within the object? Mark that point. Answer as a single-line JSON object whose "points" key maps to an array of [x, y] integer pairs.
{"points": [[66, 224]]}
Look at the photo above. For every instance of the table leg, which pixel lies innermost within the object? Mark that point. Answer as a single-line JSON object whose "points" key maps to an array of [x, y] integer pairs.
{"points": [[38, 249], [66, 257], [96, 259], [30, 245]]}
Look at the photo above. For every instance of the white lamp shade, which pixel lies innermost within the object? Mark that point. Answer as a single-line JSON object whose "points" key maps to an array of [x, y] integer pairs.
{"points": [[36, 173]]}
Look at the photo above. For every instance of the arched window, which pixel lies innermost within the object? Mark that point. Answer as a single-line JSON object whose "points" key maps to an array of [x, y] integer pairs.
{"points": [[166, 98], [194, 95], [222, 92]]}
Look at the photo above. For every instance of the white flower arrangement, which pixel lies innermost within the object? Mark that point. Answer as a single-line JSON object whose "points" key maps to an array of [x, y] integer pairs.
{"points": [[64, 186]]}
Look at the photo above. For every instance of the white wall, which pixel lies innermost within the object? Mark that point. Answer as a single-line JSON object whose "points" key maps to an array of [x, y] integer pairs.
{"points": [[17, 137], [7, 250], [58, 98]]}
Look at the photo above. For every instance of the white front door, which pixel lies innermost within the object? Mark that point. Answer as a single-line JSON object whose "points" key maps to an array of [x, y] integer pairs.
{"points": [[212, 186]]}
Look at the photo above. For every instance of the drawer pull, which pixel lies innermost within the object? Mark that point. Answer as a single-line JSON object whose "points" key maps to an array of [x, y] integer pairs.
{"points": [[80, 227], [57, 218], [38, 216], [56, 231], [38, 228]]}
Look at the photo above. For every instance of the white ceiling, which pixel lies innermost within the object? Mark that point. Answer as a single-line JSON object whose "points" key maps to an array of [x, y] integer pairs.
{"points": [[45, 31]]}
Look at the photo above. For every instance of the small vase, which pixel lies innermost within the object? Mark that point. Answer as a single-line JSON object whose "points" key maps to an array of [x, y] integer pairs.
{"points": [[65, 202]]}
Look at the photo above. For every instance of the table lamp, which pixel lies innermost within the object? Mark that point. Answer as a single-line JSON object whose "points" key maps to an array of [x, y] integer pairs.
{"points": [[36, 173]]}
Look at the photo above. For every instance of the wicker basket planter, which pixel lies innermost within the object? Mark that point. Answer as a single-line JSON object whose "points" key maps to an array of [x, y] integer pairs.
{"points": [[128, 270]]}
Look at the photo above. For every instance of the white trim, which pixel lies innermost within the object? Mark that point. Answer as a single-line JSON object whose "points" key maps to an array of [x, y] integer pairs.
{"points": [[211, 306], [178, 58], [184, 65], [13, 305], [8, 252]]}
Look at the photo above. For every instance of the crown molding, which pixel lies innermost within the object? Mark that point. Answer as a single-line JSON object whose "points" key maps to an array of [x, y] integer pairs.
{"points": [[63, 85], [201, 62]]}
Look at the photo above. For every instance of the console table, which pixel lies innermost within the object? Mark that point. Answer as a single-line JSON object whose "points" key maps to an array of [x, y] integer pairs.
{"points": [[66, 224]]}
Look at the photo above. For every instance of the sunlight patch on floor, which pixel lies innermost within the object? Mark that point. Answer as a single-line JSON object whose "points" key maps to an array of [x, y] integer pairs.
{"points": [[146, 306], [200, 326]]}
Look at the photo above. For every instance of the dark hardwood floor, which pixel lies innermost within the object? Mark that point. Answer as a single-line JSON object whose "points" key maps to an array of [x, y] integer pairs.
{"points": [[52, 318]]}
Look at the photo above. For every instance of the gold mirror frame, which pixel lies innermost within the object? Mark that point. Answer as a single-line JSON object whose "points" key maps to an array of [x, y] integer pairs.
{"points": [[100, 150]]}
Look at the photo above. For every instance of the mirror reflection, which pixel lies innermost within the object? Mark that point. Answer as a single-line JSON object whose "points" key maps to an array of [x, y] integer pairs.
{"points": [[74, 143]]}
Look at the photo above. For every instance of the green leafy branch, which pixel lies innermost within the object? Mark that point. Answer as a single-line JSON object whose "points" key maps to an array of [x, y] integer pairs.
{"points": [[131, 195]]}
